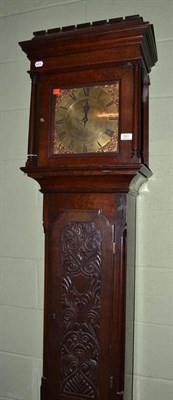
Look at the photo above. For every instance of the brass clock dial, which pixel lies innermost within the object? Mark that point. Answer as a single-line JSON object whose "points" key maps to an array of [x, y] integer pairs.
{"points": [[86, 119]]}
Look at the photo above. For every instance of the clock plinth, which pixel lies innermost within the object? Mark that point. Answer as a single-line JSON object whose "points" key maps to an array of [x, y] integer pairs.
{"points": [[88, 150]]}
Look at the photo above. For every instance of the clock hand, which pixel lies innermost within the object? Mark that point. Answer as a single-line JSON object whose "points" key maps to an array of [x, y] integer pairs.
{"points": [[86, 108], [85, 119]]}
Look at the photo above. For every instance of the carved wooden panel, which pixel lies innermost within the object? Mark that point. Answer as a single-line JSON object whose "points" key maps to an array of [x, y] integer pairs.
{"points": [[80, 305], [77, 357]]}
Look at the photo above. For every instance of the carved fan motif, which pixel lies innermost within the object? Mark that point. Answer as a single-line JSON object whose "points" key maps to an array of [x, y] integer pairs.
{"points": [[81, 292]]}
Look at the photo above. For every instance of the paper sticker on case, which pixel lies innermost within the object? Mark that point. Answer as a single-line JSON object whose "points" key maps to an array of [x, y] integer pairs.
{"points": [[38, 64], [126, 136]]}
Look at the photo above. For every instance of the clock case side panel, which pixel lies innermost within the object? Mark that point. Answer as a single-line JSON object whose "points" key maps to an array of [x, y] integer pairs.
{"points": [[34, 120], [140, 150], [119, 298], [124, 296], [130, 297]]}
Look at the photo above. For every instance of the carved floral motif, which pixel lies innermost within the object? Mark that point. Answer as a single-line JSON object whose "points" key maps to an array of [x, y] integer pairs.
{"points": [[81, 292]]}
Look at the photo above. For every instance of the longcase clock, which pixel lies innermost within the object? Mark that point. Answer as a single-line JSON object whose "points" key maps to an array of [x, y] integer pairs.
{"points": [[88, 150]]}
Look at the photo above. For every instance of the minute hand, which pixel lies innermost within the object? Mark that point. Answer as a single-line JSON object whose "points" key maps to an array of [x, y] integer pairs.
{"points": [[86, 109]]}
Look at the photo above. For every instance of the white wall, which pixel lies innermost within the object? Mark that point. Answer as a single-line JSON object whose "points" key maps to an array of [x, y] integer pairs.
{"points": [[21, 251]]}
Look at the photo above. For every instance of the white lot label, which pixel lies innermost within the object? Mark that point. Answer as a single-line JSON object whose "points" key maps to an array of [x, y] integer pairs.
{"points": [[126, 136], [38, 64]]}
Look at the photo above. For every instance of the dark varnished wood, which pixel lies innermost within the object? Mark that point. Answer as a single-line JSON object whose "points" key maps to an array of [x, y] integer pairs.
{"points": [[77, 356], [84, 56], [89, 208]]}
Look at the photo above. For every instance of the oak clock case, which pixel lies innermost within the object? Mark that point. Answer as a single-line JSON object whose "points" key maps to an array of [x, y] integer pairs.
{"points": [[88, 150]]}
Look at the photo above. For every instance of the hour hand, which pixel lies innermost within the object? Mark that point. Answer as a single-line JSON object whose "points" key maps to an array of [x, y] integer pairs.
{"points": [[86, 108], [85, 119]]}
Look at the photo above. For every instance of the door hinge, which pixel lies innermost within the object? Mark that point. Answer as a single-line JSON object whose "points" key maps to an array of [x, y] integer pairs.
{"points": [[113, 247], [111, 382]]}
